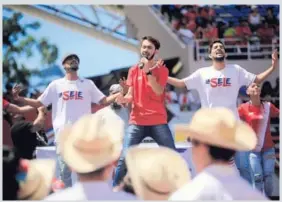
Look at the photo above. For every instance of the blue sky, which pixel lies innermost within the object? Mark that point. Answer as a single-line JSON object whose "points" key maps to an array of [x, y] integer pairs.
{"points": [[97, 57]]}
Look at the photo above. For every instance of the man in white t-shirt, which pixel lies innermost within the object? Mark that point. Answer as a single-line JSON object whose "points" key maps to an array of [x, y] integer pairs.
{"points": [[219, 84], [71, 98]]}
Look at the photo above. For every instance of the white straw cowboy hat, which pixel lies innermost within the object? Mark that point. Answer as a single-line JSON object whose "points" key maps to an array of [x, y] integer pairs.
{"points": [[219, 127], [93, 142], [156, 173], [38, 181]]}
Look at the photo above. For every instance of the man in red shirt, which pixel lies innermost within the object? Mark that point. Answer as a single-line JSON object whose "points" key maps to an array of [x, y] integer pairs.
{"points": [[146, 93], [262, 159]]}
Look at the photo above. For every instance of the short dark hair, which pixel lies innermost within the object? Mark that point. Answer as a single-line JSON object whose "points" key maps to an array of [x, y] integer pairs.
{"points": [[219, 153], [24, 139], [212, 43], [153, 40]]}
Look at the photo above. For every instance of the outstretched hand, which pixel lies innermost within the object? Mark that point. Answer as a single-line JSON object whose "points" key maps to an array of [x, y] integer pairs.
{"points": [[16, 91], [158, 64]]}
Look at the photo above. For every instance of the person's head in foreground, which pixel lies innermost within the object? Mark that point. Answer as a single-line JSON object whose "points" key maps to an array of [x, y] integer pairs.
{"points": [[35, 178], [92, 145], [216, 135], [10, 168], [155, 173]]}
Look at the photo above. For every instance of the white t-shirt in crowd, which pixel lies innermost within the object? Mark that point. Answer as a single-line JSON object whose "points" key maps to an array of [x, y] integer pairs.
{"points": [[70, 100], [92, 190], [219, 88], [217, 182]]}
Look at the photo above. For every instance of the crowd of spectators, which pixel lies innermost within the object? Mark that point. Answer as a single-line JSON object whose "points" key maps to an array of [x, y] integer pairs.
{"points": [[241, 22]]}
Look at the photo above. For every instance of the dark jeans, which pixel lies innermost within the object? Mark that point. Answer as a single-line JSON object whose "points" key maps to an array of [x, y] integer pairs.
{"points": [[135, 134]]}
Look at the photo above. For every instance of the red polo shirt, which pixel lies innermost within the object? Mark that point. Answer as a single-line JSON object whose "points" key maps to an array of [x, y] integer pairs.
{"points": [[148, 108], [253, 116]]}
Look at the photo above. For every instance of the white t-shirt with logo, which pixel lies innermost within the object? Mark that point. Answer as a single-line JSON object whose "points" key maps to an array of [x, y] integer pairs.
{"points": [[70, 100], [219, 88]]}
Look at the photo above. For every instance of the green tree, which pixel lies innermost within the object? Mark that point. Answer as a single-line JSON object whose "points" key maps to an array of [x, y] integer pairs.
{"points": [[19, 43]]}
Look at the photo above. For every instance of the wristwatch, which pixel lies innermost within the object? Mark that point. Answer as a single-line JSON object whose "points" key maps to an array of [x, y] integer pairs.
{"points": [[149, 73]]}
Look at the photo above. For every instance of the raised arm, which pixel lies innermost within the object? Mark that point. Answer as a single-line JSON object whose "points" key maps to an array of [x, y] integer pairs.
{"points": [[12, 108], [262, 76], [44, 100], [176, 82]]}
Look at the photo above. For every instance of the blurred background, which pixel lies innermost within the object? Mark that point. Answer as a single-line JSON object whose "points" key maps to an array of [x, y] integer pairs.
{"points": [[106, 38]]}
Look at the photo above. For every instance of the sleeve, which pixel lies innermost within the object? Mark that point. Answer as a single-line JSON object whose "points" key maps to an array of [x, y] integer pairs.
{"points": [[5, 104], [47, 96], [193, 81], [274, 112], [245, 77], [96, 94], [241, 112], [162, 76], [129, 77]]}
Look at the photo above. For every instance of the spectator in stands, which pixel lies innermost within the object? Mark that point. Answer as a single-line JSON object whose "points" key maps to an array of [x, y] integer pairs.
{"points": [[230, 33], [210, 32], [266, 33], [186, 35], [262, 159], [216, 135], [212, 14], [91, 146], [221, 26], [203, 17], [254, 18], [270, 18], [243, 31], [167, 10], [156, 173]]}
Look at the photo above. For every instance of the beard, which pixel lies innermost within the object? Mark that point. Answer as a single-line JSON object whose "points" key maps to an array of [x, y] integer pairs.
{"points": [[73, 66], [219, 59], [147, 55]]}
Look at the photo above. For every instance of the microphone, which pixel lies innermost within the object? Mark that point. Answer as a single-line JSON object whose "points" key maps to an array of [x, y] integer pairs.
{"points": [[141, 64]]}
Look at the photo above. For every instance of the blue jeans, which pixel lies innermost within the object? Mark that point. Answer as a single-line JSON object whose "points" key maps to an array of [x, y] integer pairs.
{"points": [[243, 164], [64, 171], [135, 134], [262, 166]]}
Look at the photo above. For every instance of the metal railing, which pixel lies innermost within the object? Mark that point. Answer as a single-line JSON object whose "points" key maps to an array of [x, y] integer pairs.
{"points": [[235, 49]]}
